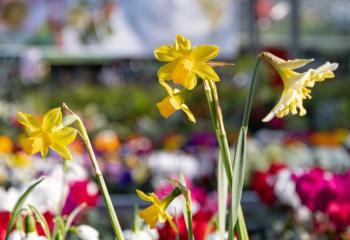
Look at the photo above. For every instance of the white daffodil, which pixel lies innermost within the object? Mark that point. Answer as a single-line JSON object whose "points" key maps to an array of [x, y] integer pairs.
{"points": [[296, 85], [86, 232]]}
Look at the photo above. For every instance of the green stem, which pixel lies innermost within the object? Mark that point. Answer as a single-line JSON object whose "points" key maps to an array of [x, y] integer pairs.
{"points": [[216, 115], [189, 222], [249, 101], [99, 177]]}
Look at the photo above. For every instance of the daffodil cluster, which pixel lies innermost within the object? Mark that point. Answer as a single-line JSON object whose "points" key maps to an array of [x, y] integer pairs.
{"points": [[296, 85], [46, 133], [184, 65]]}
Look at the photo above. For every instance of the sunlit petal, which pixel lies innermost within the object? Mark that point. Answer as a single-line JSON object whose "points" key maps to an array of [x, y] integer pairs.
{"points": [[61, 150], [52, 119], [204, 53], [64, 136], [206, 72]]}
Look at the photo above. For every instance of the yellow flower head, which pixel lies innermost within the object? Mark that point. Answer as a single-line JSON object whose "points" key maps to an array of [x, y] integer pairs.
{"points": [[296, 85], [175, 101], [157, 211], [186, 63], [47, 133]]}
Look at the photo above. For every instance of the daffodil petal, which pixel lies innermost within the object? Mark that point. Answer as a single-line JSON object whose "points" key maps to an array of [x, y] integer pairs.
{"points": [[165, 107], [143, 196], [182, 43], [286, 98], [188, 113], [52, 119], [204, 53], [62, 151], [44, 152], [172, 224], [166, 53], [190, 82], [165, 72], [295, 63], [64, 136], [206, 72], [29, 122], [166, 86], [33, 145]]}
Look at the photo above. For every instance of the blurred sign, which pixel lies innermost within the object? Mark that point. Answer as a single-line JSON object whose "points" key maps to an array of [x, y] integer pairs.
{"points": [[121, 28]]}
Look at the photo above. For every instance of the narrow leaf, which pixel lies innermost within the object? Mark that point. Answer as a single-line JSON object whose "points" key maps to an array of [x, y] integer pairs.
{"points": [[17, 209], [222, 198], [71, 218], [238, 176], [41, 219], [183, 200]]}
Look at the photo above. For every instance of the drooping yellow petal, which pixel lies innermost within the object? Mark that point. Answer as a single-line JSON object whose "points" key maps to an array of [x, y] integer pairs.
{"points": [[64, 136], [188, 113], [62, 151], [206, 72], [166, 53], [165, 72], [29, 122], [52, 119], [182, 43], [204, 53], [143, 196], [166, 108]]}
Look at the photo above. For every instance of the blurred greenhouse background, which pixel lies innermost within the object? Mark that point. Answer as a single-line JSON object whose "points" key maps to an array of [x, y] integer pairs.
{"points": [[97, 56]]}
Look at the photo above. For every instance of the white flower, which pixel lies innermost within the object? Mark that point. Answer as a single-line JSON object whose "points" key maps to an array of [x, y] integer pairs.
{"points": [[297, 86], [16, 235], [86, 232], [285, 189], [140, 235], [33, 236], [216, 236]]}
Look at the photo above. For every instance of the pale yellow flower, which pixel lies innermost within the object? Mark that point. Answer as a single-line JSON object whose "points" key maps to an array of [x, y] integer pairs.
{"points": [[175, 101], [45, 134], [186, 63], [157, 211], [296, 85]]}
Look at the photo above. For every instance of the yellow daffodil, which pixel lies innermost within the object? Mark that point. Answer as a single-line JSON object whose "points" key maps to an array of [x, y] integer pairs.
{"points": [[45, 134], [296, 85], [175, 101], [186, 63], [157, 211]]}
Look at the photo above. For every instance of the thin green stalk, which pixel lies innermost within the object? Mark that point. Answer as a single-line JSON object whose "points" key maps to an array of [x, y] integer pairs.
{"points": [[249, 101], [99, 177], [189, 223], [216, 115]]}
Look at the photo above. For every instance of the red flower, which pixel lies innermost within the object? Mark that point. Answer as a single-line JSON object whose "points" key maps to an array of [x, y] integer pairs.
{"points": [[4, 219], [81, 192], [50, 221], [200, 222]]}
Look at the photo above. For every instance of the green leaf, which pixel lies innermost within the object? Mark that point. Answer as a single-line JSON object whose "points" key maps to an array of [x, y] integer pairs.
{"points": [[71, 218], [237, 177], [17, 209], [59, 227], [41, 219], [222, 198]]}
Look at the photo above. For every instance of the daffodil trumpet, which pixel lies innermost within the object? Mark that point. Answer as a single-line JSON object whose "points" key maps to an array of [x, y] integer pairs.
{"points": [[156, 212]]}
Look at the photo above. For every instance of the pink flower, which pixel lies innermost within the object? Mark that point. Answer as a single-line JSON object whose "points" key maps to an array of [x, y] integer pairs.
{"points": [[80, 192]]}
